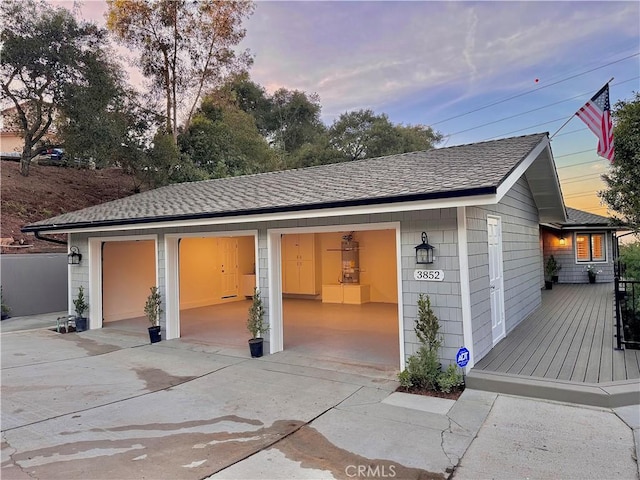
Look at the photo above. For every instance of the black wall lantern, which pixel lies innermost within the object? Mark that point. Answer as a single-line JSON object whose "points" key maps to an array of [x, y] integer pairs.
{"points": [[75, 257], [424, 251]]}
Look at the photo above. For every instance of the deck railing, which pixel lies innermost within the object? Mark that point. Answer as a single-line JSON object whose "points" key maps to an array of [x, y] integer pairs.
{"points": [[627, 294]]}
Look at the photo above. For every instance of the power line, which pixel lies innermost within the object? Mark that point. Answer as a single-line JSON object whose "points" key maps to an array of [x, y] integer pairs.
{"points": [[535, 89], [580, 178], [535, 110], [578, 164], [572, 131], [574, 153], [526, 128], [581, 194]]}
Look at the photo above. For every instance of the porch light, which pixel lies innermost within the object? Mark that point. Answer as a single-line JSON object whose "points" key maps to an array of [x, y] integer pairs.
{"points": [[562, 240], [424, 251], [75, 257]]}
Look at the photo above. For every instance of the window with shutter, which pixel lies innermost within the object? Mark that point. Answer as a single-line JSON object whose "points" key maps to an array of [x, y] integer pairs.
{"points": [[582, 248], [591, 247], [597, 247]]}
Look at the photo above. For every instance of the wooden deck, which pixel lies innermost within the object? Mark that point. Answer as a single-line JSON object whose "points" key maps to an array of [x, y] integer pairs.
{"points": [[569, 338]]}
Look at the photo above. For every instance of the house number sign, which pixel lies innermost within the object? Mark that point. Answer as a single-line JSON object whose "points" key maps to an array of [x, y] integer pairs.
{"points": [[429, 275]]}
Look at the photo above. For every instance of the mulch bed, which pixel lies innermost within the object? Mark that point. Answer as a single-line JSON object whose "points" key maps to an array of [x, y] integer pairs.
{"points": [[453, 395]]}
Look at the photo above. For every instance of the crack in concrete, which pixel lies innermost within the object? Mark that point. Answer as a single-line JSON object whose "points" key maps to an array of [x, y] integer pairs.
{"points": [[13, 461], [452, 464]]}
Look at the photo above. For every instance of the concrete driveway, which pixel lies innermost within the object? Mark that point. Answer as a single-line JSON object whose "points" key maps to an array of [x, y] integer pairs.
{"points": [[108, 405], [104, 404]]}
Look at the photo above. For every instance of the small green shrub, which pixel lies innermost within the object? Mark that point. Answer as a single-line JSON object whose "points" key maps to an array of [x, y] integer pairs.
{"points": [[153, 307], [423, 370], [427, 326], [80, 303], [404, 377], [255, 321], [450, 379]]}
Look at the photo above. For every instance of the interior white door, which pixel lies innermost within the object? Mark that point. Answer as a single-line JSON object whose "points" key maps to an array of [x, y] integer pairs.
{"points": [[496, 284], [229, 266]]}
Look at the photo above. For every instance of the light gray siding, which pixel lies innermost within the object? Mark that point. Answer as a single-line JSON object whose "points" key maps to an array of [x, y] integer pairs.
{"points": [[440, 225], [441, 228], [521, 254], [522, 261], [573, 271]]}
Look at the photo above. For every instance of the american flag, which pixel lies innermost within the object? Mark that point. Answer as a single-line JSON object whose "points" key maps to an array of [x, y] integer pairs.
{"points": [[596, 114]]}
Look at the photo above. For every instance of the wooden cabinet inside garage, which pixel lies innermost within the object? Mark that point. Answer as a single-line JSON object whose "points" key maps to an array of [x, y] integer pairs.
{"points": [[300, 272]]}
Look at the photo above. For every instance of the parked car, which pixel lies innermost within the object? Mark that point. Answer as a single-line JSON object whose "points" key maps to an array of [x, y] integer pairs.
{"points": [[50, 156]]}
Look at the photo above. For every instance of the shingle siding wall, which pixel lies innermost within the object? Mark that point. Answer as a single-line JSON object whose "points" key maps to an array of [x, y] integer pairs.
{"points": [[521, 253], [440, 225], [522, 262], [565, 255]]}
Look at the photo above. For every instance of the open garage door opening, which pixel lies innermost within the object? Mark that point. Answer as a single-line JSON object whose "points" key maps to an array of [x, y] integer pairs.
{"points": [[216, 280], [128, 273], [340, 296]]}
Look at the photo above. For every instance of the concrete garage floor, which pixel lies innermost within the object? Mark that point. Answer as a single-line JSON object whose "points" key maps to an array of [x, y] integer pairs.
{"points": [[354, 334], [107, 405]]}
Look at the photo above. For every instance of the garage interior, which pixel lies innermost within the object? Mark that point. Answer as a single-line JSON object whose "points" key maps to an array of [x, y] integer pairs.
{"points": [[349, 317]]}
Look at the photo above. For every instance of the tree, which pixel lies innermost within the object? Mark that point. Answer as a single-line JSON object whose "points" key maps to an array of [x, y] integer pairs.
{"points": [[294, 119], [101, 116], [247, 96], [45, 52], [186, 46], [224, 141], [289, 120], [319, 152], [363, 134], [630, 257], [622, 192]]}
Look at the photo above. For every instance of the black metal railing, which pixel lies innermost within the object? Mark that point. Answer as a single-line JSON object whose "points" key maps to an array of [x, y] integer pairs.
{"points": [[627, 294]]}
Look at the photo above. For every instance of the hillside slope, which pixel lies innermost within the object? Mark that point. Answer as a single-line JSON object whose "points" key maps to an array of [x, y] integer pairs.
{"points": [[49, 191]]}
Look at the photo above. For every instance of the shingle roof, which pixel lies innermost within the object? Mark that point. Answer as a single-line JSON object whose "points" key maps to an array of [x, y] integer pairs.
{"points": [[579, 217], [438, 173]]}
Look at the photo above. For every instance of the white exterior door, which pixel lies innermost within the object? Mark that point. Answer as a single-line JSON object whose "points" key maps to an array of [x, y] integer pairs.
{"points": [[496, 284]]}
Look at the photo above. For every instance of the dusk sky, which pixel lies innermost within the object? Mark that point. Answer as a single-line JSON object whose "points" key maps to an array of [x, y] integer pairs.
{"points": [[440, 63]]}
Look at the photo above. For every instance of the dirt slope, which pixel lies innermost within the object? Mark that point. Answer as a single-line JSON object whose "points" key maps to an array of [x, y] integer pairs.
{"points": [[49, 191]]}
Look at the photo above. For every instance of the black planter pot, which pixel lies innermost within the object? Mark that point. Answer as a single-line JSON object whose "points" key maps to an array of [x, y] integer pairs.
{"points": [[554, 279], [592, 279], [155, 335], [5, 316], [81, 324], [255, 346], [548, 284]]}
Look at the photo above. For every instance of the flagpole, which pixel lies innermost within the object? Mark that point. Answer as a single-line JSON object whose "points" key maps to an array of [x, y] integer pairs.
{"points": [[571, 117]]}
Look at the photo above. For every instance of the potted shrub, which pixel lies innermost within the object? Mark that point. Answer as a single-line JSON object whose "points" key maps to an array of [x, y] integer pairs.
{"points": [[152, 309], [558, 267], [81, 306], [551, 269], [256, 325], [3, 306], [592, 273]]}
